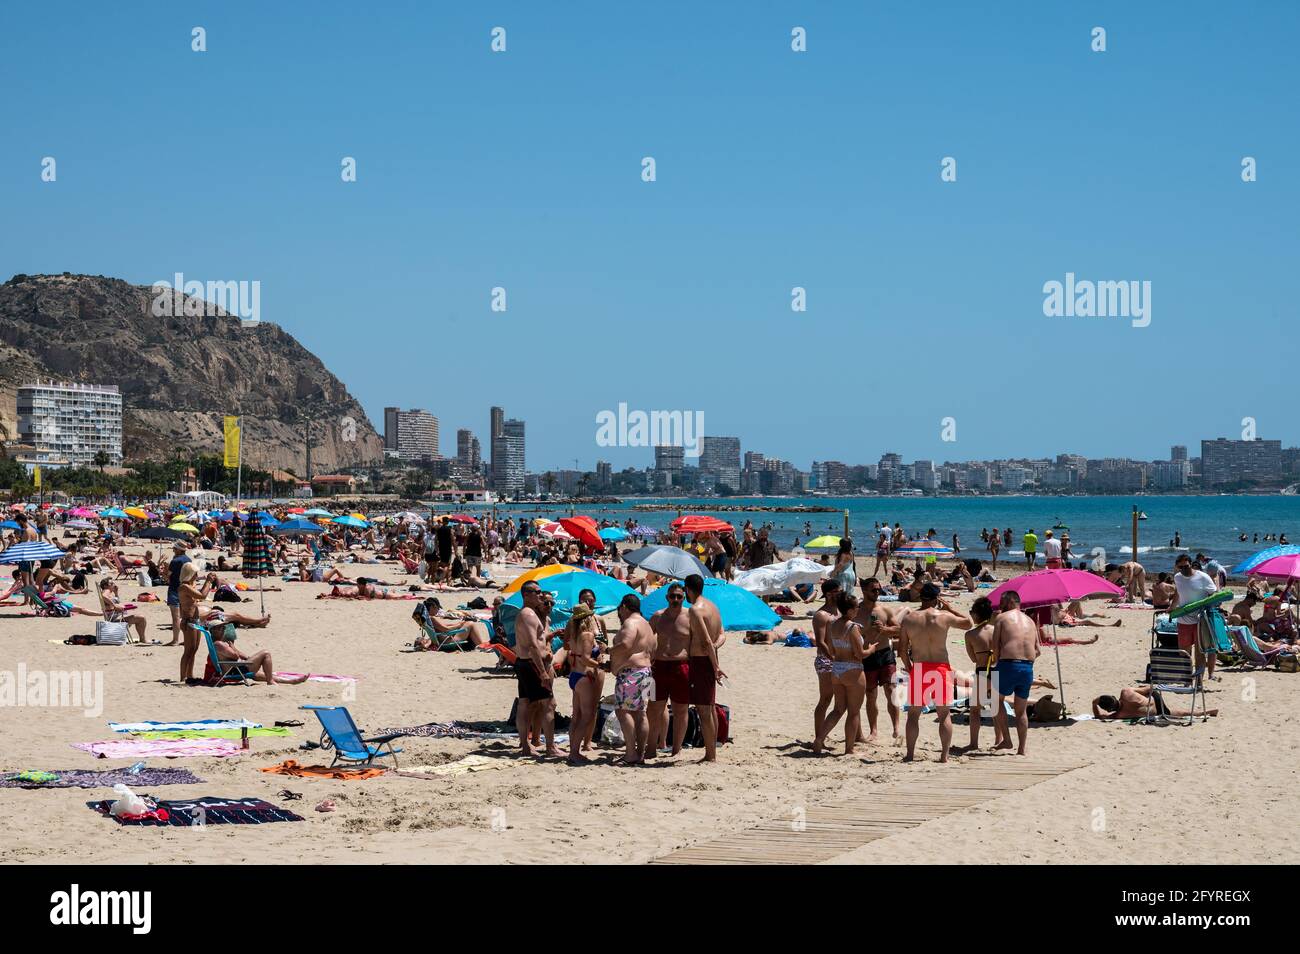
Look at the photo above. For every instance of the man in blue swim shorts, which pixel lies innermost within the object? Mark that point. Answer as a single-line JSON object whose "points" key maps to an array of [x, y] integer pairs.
{"points": [[1015, 647]]}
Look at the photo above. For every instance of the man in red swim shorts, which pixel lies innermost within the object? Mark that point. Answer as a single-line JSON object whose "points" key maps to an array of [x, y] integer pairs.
{"points": [[670, 670], [923, 651]]}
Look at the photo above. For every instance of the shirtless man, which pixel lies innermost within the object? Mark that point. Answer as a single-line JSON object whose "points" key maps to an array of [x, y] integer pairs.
{"points": [[1163, 592], [979, 647], [923, 648], [534, 673], [630, 656], [671, 671], [822, 661], [1134, 576], [880, 664], [706, 639], [1015, 647], [1140, 702]]}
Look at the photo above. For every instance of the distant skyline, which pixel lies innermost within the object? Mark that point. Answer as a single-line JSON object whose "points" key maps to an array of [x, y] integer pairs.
{"points": [[775, 170]]}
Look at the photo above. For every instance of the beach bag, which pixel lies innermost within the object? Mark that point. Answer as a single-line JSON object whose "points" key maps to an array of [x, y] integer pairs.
{"points": [[724, 724], [110, 634], [1288, 664], [142, 578]]}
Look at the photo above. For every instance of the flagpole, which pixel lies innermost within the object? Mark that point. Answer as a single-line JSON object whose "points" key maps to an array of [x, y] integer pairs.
{"points": [[239, 458]]}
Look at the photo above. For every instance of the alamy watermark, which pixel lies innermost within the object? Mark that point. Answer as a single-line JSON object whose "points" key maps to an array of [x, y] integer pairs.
{"points": [[1088, 299], [57, 689], [194, 299], [624, 428]]}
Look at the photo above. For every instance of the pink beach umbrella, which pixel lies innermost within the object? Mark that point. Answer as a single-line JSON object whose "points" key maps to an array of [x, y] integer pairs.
{"points": [[1054, 587], [1286, 567]]}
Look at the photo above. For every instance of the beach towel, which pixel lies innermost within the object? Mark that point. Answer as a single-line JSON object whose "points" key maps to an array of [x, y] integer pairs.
{"points": [[315, 677], [1132, 606], [209, 810], [470, 763], [79, 778], [158, 748], [432, 730], [181, 726], [291, 767], [209, 733]]}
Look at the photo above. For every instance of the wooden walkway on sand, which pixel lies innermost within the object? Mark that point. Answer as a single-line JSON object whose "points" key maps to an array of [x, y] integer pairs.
{"points": [[827, 831]]}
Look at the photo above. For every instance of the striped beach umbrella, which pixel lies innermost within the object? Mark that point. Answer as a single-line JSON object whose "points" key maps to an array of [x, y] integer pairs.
{"points": [[923, 548], [257, 555], [30, 551]]}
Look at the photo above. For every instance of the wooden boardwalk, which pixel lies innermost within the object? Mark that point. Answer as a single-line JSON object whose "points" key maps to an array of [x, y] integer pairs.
{"points": [[828, 831]]}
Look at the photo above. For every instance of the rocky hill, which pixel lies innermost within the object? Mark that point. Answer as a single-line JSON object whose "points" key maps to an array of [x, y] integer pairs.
{"points": [[179, 375]]}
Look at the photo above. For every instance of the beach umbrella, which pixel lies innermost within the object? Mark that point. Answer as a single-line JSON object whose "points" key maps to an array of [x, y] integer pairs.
{"points": [[667, 561], [584, 530], [316, 512], [776, 577], [184, 527], [1248, 564], [741, 610], [613, 533], [290, 527], [1283, 567], [566, 587], [138, 513], [350, 522], [112, 513], [642, 532], [555, 531], [824, 542], [926, 548], [461, 518], [9, 525], [79, 525], [160, 533], [408, 516], [538, 573], [257, 555], [1043, 588], [82, 512], [699, 523], [30, 551]]}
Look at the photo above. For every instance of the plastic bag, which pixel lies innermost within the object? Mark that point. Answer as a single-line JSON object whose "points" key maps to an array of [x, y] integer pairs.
{"points": [[128, 802]]}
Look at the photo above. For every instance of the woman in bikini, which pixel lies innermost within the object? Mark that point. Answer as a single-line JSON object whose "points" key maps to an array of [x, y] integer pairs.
{"points": [[584, 673], [116, 612], [850, 682]]}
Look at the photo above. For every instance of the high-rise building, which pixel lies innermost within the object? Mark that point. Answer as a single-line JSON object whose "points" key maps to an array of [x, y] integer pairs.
{"points": [[1240, 462], [68, 424], [508, 457], [496, 419], [413, 434], [1178, 452], [604, 476], [390, 428], [467, 450], [720, 456]]}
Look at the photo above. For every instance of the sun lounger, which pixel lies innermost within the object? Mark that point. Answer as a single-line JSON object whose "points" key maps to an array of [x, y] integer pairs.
{"points": [[342, 735]]}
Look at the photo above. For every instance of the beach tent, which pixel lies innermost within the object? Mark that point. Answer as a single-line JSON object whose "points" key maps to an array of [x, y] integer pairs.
{"points": [[741, 610]]}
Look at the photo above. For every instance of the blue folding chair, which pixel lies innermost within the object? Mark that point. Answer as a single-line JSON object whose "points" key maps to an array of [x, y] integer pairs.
{"points": [[342, 735]]}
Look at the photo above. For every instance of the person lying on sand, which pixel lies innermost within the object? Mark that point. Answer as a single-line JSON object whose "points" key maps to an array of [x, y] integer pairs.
{"points": [[366, 589], [257, 666], [1137, 703]]}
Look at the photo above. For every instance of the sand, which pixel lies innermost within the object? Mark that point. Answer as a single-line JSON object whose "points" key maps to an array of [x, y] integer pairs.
{"points": [[1211, 793]]}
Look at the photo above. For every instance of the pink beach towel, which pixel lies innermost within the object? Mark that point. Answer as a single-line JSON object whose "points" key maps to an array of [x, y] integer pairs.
{"points": [[159, 748]]}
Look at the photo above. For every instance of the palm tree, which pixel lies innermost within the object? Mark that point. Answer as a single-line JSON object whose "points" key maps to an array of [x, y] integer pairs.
{"points": [[102, 460], [548, 481]]}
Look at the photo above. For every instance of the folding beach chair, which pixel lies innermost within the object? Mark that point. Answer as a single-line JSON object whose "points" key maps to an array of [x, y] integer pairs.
{"points": [[341, 734], [448, 641], [43, 606], [1170, 671], [223, 671], [1252, 655]]}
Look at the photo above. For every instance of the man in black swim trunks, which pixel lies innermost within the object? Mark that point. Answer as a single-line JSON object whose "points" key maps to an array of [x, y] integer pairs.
{"points": [[880, 663], [533, 669]]}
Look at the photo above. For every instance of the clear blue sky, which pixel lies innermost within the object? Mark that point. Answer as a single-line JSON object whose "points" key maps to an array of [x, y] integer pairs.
{"points": [[775, 169]]}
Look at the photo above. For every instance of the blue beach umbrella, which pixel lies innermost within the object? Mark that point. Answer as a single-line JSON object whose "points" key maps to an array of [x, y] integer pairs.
{"points": [[350, 522], [316, 512], [112, 513], [290, 527], [613, 533], [9, 525], [741, 610], [566, 587], [1248, 564]]}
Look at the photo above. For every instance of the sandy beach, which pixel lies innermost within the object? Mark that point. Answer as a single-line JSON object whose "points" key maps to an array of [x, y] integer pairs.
{"points": [[1210, 793]]}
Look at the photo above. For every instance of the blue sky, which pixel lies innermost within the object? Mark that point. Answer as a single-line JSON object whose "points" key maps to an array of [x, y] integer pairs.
{"points": [[775, 169]]}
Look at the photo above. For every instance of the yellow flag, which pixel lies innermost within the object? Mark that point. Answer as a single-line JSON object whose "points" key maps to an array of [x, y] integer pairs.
{"points": [[36, 477], [232, 442]]}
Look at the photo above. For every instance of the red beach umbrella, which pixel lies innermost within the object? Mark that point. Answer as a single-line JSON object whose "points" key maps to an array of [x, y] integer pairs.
{"points": [[699, 523], [584, 530]]}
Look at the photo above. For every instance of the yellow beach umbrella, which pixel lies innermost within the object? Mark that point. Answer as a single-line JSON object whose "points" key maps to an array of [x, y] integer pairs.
{"points": [[184, 527], [824, 542], [540, 573], [137, 512]]}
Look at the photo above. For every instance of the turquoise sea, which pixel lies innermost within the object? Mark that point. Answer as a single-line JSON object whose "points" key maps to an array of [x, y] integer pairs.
{"points": [[1209, 524]]}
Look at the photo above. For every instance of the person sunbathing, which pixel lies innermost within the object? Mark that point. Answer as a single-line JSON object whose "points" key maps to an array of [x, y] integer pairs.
{"points": [[1076, 615], [1274, 625], [1139, 702], [47, 578], [366, 589], [431, 614], [257, 666]]}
